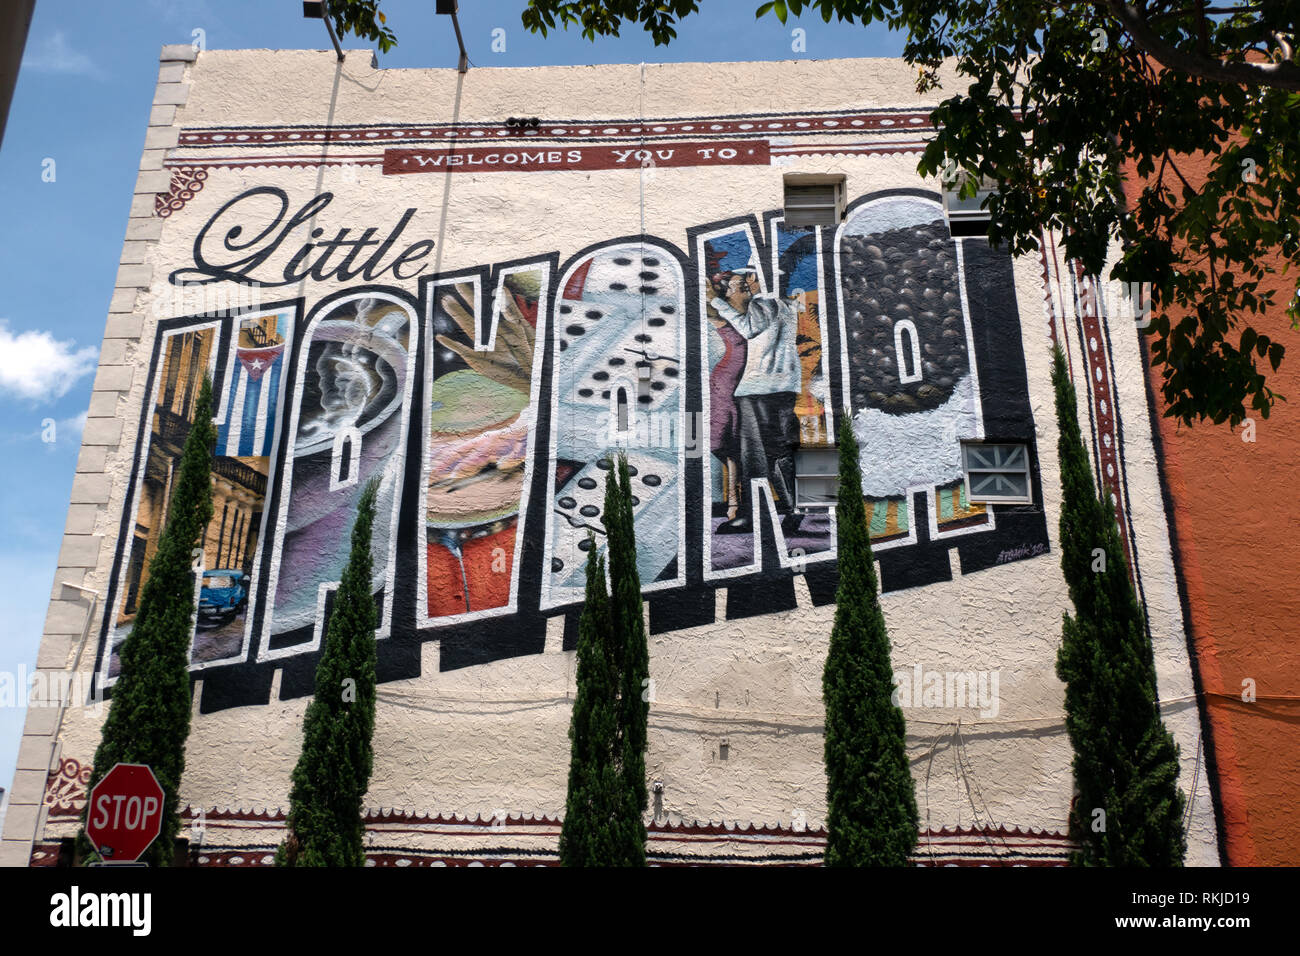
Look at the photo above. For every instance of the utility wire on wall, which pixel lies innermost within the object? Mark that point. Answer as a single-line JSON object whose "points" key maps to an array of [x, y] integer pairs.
{"points": [[407, 698]]}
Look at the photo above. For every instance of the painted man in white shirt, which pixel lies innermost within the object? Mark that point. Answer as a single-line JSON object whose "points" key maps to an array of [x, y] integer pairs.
{"points": [[766, 394]]}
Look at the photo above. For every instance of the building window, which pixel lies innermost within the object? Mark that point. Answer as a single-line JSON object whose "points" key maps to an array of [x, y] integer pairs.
{"points": [[813, 200], [816, 476], [997, 474], [965, 216]]}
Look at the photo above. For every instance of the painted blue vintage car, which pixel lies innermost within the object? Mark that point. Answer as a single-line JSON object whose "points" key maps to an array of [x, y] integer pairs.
{"points": [[223, 596]]}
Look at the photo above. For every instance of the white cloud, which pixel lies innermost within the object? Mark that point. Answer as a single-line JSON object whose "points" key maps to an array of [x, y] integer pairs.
{"points": [[38, 367], [54, 55], [69, 429]]}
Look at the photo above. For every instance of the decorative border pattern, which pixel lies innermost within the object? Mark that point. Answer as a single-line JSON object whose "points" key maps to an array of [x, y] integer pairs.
{"points": [[295, 160], [235, 838], [782, 124], [186, 181], [1091, 345], [66, 788], [190, 170], [1098, 387]]}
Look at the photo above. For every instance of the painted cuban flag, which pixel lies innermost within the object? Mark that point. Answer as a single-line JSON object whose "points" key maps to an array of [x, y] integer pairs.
{"points": [[251, 405]]}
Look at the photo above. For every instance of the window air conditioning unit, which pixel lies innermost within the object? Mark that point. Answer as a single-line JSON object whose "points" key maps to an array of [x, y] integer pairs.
{"points": [[965, 217], [814, 201]]}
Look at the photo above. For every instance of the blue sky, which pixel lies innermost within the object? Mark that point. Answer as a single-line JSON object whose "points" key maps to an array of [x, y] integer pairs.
{"points": [[80, 110]]}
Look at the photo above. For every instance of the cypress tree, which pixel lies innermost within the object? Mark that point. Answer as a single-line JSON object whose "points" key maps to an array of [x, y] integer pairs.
{"points": [[1125, 761], [333, 771], [590, 834], [149, 719], [871, 816], [632, 658]]}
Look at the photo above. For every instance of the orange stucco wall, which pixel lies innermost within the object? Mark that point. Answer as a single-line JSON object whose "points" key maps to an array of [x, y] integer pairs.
{"points": [[1236, 516]]}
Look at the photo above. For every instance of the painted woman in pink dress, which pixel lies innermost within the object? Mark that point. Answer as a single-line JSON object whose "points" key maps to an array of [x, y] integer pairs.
{"points": [[724, 424]]}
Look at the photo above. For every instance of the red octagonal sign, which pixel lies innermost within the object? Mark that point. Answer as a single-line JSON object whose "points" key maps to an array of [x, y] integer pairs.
{"points": [[126, 809]]}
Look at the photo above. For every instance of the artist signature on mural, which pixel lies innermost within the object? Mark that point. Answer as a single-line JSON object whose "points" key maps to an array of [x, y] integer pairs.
{"points": [[1024, 551]]}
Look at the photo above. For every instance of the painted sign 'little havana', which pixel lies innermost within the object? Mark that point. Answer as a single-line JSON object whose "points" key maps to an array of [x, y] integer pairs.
{"points": [[521, 158]]}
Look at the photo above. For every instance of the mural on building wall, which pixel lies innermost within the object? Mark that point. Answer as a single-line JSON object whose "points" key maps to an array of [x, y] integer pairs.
{"points": [[352, 394], [714, 370], [619, 359], [911, 376], [482, 389]]}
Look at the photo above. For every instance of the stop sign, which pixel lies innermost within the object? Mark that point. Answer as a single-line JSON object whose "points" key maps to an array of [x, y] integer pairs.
{"points": [[126, 810]]}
